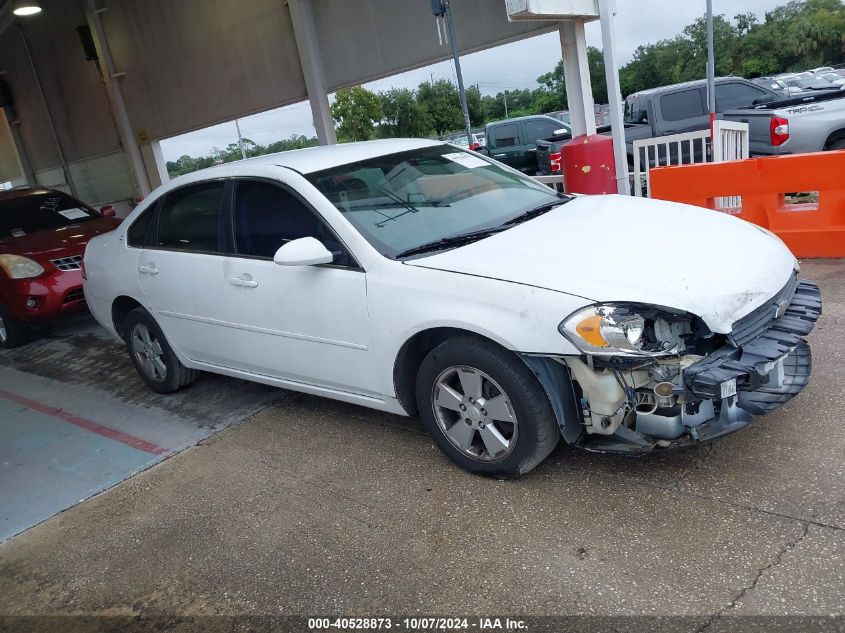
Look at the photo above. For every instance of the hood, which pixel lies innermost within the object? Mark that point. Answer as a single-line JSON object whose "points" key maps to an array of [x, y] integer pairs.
{"points": [[625, 249], [63, 241]]}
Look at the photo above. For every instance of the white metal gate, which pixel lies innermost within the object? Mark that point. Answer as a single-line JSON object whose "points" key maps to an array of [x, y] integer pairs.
{"points": [[730, 143]]}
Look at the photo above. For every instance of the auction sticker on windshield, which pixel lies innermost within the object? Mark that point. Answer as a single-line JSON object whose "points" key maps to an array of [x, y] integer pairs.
{"points": [[729, 388], [467, 160], [73, 214]]}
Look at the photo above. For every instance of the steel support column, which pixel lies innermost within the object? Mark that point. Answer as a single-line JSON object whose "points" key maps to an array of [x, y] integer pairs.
{"points": [[112, 82], [576, 74], [305, 32], [607, 9]]}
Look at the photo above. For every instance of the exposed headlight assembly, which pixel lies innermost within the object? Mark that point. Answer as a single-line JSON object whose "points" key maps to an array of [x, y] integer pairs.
{"points": [[625, 330], [20, 267]]}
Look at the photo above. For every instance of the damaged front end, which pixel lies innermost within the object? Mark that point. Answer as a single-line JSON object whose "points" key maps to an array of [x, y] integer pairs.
{"points": [[652, 377]]}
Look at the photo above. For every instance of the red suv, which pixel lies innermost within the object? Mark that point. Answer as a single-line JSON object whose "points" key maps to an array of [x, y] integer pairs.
{"points": [[43, 234]]}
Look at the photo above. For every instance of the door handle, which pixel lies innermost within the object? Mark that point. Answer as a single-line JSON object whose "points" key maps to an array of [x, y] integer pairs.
{"points": [[245, 281], [149, 269]]}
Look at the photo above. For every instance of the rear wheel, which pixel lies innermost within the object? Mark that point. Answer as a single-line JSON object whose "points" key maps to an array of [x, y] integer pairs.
{"points": [[13, 333], [484, 408], [152, 355]]}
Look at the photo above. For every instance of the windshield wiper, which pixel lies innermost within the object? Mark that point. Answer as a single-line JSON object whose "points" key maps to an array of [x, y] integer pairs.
{"points": [[533, 213], [452, 240]]}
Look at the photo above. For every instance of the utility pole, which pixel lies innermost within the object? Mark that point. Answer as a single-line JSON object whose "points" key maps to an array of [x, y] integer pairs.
{"points": [[505, 95], [240, 139], [453, 42], [711, 68]]}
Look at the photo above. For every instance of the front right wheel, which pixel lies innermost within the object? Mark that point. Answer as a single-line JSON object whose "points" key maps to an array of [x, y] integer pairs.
{"points": [[485, 408]]}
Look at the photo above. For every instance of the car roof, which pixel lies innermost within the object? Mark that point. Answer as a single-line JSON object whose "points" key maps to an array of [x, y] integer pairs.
{"points": [[686, 84], [23, 192], [311, 159], [523, 118]]}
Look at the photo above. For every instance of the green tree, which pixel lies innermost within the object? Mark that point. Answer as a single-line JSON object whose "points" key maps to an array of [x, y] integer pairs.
{"points": [[356, 111], [443, 105], [404, 116], [474, 107]]}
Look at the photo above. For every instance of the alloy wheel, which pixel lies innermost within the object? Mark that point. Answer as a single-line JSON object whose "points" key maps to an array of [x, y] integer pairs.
{"points": [[474, 413], [149, 352]]}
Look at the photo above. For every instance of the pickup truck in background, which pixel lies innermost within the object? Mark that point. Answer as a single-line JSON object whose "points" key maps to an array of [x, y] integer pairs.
{"points": [[667, 110], [794, 126], [514, 141]]}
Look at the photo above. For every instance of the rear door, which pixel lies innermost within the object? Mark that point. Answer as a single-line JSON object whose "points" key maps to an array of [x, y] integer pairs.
{"points": [[181, 272], [505, 145]]}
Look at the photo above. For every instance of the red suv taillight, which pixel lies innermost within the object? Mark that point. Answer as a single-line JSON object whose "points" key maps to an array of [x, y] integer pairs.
{"points": [[475, 147], [779, 130], [554, 161]]}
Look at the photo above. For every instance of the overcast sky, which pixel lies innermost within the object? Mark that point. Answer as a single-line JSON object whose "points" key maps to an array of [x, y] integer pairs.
{"points": [[506, 67]]}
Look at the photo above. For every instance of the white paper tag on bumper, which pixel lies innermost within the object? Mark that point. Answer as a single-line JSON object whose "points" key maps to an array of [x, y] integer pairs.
{"points": [[728, 388]]}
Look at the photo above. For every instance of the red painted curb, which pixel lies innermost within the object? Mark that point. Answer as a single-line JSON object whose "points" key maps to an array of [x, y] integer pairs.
{"points": [[89, 425]]}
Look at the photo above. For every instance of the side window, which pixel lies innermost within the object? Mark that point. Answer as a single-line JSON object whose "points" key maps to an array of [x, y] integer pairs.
{"points": [[686, 104], [267, 216], [137, 234], [190, 218], [506, 135], [735, 95], [538, 129]]}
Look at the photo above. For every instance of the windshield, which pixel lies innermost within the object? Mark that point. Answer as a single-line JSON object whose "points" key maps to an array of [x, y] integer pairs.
{"points": [[27, 214], [401, 201]]}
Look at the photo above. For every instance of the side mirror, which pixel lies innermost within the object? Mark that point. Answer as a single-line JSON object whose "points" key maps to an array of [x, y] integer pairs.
{"points": [[560, 132], [306, 251], [107, 211]]}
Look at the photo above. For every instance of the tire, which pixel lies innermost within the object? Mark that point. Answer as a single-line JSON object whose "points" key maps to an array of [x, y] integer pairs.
{"points": [[840, 144], [13, 333], [479, 440], [152, 355]]}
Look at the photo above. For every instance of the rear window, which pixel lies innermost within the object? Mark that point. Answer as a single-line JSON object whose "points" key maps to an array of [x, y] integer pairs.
{"points": [[40, 212], [506, 135], [541, 129], [635, 110], [686, 104], [736, 95]]}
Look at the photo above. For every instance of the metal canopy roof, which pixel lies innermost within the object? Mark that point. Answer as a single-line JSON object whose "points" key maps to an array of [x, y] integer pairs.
{"points": [[185, 64]]}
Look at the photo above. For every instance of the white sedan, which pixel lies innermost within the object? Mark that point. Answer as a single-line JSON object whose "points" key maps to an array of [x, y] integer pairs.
{"points": [[412, 276]]}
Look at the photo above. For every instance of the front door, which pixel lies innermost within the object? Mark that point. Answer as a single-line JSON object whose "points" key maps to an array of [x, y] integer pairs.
{"points": [[181, 273], [307, 324]]}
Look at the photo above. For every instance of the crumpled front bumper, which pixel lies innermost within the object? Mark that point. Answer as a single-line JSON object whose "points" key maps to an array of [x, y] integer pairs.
{"points": [[758, 344], [765, 363]]}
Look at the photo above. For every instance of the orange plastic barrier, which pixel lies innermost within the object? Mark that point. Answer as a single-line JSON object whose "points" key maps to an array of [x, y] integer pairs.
{"points": [[809, 229]]}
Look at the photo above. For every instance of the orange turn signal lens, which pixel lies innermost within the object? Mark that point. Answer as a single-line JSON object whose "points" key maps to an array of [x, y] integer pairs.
{"points": [[590, 330]]}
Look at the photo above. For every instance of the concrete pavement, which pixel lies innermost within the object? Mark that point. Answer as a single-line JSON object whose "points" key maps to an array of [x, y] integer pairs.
{"points": [[315, 507]]}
